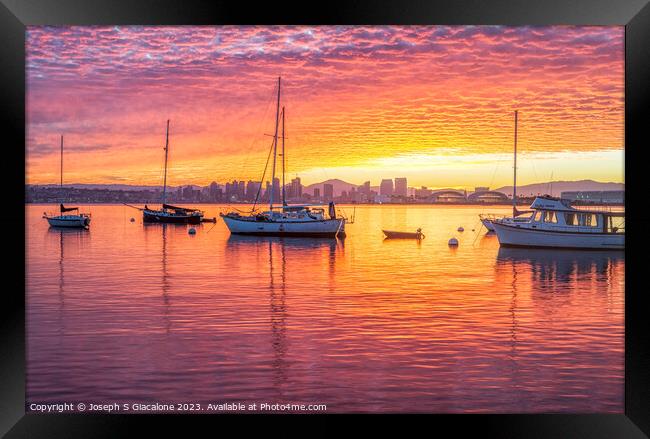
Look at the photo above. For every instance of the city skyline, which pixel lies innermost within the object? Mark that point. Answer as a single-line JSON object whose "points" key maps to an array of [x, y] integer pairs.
{"points": [[435, 102], [325, 191]]}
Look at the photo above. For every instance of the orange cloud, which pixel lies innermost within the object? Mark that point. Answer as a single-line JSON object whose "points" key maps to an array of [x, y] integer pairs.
{"points": [[356, 97]]}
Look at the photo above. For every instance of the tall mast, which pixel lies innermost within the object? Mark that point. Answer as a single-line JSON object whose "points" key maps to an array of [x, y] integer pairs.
{"points": [[61, 182], [61, 177], [284, 201], [275, 146], [164, 194], [514, 186]]}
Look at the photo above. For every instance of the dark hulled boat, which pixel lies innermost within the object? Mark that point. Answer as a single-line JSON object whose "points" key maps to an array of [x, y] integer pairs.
{"points": [[169, 214], [403, 235], [172, 214]]}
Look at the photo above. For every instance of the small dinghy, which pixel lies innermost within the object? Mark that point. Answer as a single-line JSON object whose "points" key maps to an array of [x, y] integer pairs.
{"points": [[404, 235]]}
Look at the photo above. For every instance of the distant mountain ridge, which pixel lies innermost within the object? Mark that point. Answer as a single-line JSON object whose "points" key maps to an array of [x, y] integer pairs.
{"points": [[112, 186], [556, 187], [338, 186]]}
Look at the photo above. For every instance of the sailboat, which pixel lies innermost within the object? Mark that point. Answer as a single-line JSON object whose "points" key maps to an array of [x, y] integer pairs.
{"points": [[168, 213], [554, 223], [63, 219], [304, 220], [488, 219]]}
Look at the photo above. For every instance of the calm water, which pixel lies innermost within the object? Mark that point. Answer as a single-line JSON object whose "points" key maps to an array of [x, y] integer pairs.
{"points": [[127, 312]]}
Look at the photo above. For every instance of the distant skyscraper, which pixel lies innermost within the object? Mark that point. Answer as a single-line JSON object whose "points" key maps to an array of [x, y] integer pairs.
{"points": [[187, 193], [296, 188], [267, 191], [316, 193], [328, 192], [386, 187], [212, 191], [252, 188], [241, 190], [276, 191], [423, 192], [401, 187]]}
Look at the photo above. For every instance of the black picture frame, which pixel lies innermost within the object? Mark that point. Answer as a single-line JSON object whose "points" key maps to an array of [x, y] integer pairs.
{"points": [[15, 15]]}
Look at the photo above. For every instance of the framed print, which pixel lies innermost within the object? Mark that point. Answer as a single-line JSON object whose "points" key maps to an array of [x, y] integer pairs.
{"points": [[283, 215]]}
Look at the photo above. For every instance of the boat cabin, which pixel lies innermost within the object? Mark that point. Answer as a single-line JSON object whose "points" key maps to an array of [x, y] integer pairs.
{"points": [[555, 214], [296, 212]]}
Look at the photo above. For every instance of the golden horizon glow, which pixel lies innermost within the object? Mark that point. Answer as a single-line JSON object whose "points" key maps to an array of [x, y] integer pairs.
{"points": [[430, 103]]}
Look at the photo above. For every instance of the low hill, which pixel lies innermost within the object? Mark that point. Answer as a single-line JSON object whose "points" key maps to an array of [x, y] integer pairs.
{"points": [[338, 186], [556, 187]]}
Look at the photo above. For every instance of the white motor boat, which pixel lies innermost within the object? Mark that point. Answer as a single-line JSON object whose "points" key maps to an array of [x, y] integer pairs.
{"points": [[63, 219], [306, 220], [555, 223]]}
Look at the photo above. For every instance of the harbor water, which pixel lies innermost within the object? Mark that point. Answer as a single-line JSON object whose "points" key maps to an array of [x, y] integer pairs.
{"points": [[131, 312]]}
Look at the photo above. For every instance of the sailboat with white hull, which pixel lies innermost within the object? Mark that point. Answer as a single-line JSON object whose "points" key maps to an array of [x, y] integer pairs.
{"points": [[554, 223], [488, 219], [305, 220], [168, 213], [78, 220]]}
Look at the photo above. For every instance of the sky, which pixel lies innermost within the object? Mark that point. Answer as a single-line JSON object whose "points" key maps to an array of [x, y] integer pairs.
{"points": [[434, 104]]}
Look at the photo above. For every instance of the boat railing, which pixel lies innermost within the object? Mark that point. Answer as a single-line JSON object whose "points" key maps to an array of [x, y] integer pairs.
{"points": [[613, 208]]}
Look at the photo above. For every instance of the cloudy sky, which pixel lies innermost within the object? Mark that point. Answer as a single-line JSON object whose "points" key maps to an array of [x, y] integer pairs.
{"points": [[434, 104]]}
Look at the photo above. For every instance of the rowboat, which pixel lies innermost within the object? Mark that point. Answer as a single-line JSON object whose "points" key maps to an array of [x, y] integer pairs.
{"points": [[403, 235]]}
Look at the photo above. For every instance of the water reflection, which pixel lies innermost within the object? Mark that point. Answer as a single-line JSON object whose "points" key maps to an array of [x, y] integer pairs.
{"points": [[560, 265], [163, 230], [73, 240], [243, 241], [278, 310], [287, 260], [366, 325], [554, 278]]}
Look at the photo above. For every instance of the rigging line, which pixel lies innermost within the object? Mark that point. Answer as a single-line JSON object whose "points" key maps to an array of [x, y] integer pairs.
{"points": [[259, 128], [161, 169], [254, 139], [478, 232], [259, 189], [496, 168], [284, 195], [211, 228]]}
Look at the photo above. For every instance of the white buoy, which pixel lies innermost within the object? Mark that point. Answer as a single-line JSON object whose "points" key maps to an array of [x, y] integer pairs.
{"points": [[460, 229], [453, 242], [132, 220], [192, 231]]}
